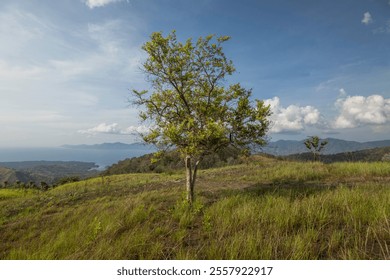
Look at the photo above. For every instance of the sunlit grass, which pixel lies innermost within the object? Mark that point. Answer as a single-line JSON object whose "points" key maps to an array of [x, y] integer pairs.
{"points": [[264, 209], [14, 193], [327, 225]]}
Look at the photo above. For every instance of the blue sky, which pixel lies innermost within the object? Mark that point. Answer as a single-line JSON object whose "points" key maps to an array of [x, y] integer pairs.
{"points": [[67, 67]]}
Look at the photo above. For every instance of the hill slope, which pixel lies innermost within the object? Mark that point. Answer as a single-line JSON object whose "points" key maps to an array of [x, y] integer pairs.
{"points": [[264, 209], [11, 176], [171, 161], [46, 171]]}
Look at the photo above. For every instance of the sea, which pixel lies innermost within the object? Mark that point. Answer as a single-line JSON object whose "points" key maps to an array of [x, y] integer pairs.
{"points": [[101, 157]]}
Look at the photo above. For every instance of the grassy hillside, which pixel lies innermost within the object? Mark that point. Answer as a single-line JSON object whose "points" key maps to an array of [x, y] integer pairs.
{"points": [[262, 209], [11, 176], [50, 172]]}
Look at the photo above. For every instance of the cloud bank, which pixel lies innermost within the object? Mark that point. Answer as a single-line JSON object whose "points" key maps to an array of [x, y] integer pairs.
{"points": [[358, 111], [115, 129], [291, 119], [352, 112]]}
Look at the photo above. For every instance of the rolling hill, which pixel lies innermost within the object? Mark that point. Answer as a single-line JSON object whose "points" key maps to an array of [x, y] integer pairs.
{"points": [[11, 176], [171, 161], [44, 171], [263, 209]]}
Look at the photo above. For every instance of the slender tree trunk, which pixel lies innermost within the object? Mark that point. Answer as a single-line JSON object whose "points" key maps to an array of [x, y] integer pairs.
{"points": [[191, 178]]}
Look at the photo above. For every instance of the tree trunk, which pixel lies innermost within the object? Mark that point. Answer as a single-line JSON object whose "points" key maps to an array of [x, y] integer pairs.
{"points": [[191, 178]]}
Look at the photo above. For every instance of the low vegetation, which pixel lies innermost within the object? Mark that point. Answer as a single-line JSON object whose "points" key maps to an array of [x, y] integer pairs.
{"points": [[171, 161], [263, 208]]}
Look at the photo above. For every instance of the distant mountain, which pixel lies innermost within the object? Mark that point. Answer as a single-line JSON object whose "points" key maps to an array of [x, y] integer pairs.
{"points": [[111, 146], [278, 148], [334, 146]]}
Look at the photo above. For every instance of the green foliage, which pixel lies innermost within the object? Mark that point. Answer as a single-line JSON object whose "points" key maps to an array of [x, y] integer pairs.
{"points": [[190, 107], [315, 145], [66, 180], [171, 161]]}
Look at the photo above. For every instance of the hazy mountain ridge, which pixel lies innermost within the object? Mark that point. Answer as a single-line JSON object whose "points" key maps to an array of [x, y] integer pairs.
{"points": [[367, 155], [334, 146], [279, 148]]}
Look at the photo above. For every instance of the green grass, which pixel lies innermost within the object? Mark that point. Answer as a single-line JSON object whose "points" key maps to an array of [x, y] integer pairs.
{"points": [[264, 209]]}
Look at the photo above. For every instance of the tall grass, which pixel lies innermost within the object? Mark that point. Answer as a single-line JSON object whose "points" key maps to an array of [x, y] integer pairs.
{"points": [[343, 223], [265, 209]]}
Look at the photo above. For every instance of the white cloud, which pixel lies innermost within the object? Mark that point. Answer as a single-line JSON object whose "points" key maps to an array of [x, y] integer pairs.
{"points": [[99, 3], [136, 129], [115, 129], [293, 118], [102, 128], [367, 18], [358, 111]]}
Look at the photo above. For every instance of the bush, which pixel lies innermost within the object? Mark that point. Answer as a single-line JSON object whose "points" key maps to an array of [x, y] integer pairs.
{"points": [[171, 161], [67, 180]]}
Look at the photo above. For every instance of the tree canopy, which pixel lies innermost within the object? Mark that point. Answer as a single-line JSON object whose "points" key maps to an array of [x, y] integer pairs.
{"points": [[315, 145], [191, 108]]}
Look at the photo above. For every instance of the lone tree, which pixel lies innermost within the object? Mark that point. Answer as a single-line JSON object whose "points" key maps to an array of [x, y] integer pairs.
{"points": [[315, 145], [190, 108]]}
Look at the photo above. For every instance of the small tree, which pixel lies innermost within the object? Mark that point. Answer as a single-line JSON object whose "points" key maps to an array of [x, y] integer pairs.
{"points": [[315, 145], [190, 109]]}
